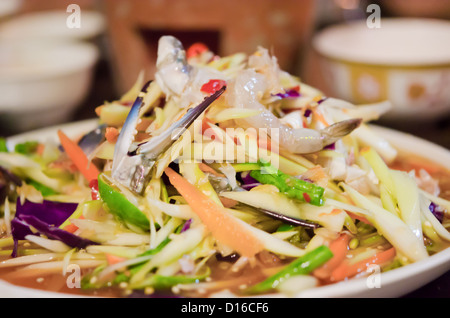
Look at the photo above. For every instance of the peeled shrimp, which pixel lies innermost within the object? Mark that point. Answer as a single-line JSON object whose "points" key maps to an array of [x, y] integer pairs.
{"points": [[247, 89]]}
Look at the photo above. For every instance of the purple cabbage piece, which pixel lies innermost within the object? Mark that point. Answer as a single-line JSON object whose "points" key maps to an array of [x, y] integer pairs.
{"points": [[250, 186], [289, 93], [50, 212], [45, 217], [56, 233], [248, 181], [186, 226], [322, 100], [437, 211]]}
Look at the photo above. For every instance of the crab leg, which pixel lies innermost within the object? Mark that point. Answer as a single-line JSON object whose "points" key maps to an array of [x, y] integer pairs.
{"points": [[132, 164]]}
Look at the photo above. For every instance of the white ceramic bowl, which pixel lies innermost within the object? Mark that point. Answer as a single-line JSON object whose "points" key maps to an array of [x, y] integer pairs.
{"points": [[406, 61], [53, 24], [9, 7], [43, 81], [394, 283]]}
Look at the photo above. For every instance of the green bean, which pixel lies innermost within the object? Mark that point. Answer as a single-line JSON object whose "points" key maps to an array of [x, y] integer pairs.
{"points": [[301, 266], [289, 185]]}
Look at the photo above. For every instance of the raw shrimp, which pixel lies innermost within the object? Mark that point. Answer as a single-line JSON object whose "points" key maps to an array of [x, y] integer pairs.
{"points": [[177, 78], [246, 90]]}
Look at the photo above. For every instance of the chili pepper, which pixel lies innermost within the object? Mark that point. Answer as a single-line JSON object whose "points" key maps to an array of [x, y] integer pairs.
{"points": [[213, 86], [196, 49]]}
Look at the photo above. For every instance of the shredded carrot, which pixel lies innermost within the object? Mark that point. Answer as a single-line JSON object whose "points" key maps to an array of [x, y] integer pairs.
{"points": [[205, 168], [221, 224], [98, 110], [40, 149], [78, 157], [227, 202], [143, 124], [207, 131], [358, 217], [264, 142], [320, 117], [317, 175], [346, 270], [111, 134], [114, 259], [72, 227], [333, 212], [339, 248]]}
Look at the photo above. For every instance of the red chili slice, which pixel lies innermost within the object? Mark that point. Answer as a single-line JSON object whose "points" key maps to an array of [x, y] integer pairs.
{"points": [[196, 49], [213, 86], [93, 184]]}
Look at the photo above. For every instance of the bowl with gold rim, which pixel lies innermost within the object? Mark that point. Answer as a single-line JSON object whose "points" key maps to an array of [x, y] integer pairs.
{"points": [[404, 60]]}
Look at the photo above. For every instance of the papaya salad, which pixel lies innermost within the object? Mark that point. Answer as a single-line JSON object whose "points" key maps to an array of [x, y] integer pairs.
{"points": [[220, 175]]}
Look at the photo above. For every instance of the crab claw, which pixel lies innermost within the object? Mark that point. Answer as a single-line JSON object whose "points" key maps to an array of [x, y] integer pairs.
{"points": [[131, 163], [122, 163]]}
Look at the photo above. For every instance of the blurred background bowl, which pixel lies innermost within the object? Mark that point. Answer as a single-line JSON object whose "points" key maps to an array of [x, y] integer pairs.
{"points": [[52, 24], [9, 7], [406, 61], [46, 67], [42, 82]]}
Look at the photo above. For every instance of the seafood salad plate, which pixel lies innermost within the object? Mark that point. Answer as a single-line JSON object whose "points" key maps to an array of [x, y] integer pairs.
{"points": [[222, 177]]}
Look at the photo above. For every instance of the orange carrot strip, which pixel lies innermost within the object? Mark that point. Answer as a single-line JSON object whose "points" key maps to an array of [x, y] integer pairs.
{"points": [[339, 248], [346, 270], [111, 134], [320, 117], [40, 149], [78, 157], [228, 203], [72, 227], [221, 224], [358, 217], [333, 212], [113, 259], [207, 169]]}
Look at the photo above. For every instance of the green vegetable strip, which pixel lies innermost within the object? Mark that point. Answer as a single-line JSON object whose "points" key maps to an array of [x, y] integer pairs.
{"points": [[165, 282], [45, 191], [135, 268], [301, 266], [26, 148], [3, 145], [292, 187], [373, 239]]}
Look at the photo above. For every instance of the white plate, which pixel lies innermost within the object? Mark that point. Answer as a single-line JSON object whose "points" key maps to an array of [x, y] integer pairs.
{"points": [[394, 283]]}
